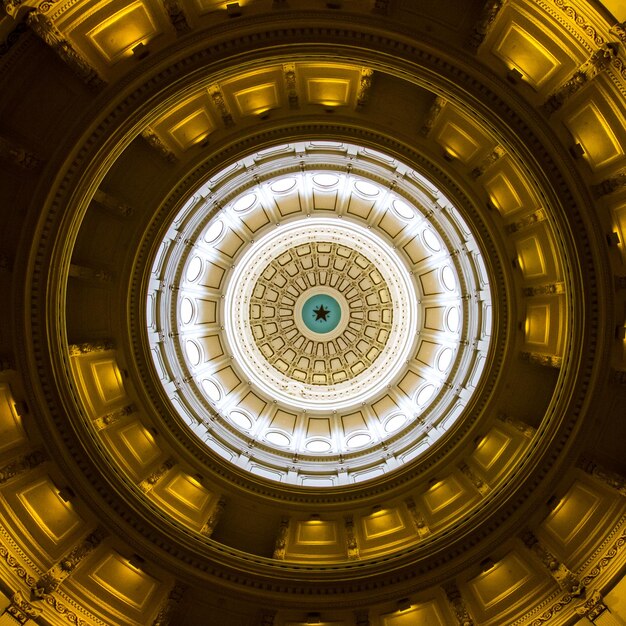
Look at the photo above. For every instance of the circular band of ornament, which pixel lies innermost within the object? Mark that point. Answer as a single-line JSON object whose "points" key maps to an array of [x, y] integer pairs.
{"points": [[321, 312], [348, 377]]}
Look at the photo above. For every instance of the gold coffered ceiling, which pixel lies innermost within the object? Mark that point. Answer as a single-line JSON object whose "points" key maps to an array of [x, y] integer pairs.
{"points": [[122, 501]]}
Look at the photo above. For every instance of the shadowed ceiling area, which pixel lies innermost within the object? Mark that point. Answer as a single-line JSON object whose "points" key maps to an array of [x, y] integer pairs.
{"points": [[315, 312]]}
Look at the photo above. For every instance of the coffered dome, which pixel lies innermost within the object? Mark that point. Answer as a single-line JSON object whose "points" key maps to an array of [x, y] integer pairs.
{"points": [[345, 305], [315, 313]]}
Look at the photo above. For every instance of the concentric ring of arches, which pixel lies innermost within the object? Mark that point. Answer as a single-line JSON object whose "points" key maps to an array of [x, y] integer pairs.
{"points": [[437, 365]]}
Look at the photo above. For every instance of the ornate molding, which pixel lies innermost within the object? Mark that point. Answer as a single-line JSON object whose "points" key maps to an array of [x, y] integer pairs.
{"points": [[177, 16], [550, 289], [214, 517], [167, 611], [561, 574], [599, 62], [289, 74], [114, 416], [220, 104], [153, 140], [545, 360], [51, 580], [593, 607], [43, 26], [280, 547], [432, 115], [479, 483], [18, 155], [21, 610], [491, 159], [352, 547], [112, 204], [149, 483], [612, 479], [485, 23], [418, 519], [609, 185], [365, 86], [457, 604], [526, 429], [528, 220], [21, 465], [98, 345]]}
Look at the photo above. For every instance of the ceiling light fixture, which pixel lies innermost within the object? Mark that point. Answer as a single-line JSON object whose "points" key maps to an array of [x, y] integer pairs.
{"points": [[233, 9]]}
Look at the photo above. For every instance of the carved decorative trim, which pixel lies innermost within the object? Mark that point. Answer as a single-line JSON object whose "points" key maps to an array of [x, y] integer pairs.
{"points": [[523, 427], [418, 519], [352, 547], [529, 220], [551, 289], [457, 604], [168, 608], [365, 86], [599, 61], [220, 104], [21, 465], [561, 574], [98, 345], [289, 73], [612, 479], [114, 416], [593, 607], [150, 482], [21, 610], [491, 159], [177, 16], [479, 483], [545, 360], [112, 204], [153, 140], [18, 155], [51, 35], [214, 518], [19, 570], [485, 23], [432, 115]]}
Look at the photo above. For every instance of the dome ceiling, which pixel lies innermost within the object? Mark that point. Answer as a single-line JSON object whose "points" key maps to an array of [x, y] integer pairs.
{"points": [[384, 382], [317, 317]]}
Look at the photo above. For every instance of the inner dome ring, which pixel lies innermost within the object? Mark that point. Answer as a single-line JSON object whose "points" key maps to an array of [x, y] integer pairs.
{"points": [[276, 434]]}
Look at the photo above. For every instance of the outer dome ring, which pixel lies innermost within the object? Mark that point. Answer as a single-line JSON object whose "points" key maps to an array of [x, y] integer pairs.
{"points": [[329, 131]]}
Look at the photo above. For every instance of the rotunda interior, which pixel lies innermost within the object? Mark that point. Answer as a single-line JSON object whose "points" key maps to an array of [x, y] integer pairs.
{"points": [[316, 312]]}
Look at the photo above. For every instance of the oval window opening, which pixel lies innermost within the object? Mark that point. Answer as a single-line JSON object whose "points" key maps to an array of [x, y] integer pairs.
{"points": [[425, 395], [358, 441], [430, 239], [194, 269], [403, 209], [214, 231], [186, 311], [453, 319], [245, 203], [447, 276], [240, 419], [325, 180], [445, 358], [365, 188], [211, 390], [193, 352], [395, 423], [318, 445], [285, 184], [278, 439]]}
